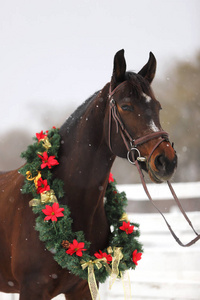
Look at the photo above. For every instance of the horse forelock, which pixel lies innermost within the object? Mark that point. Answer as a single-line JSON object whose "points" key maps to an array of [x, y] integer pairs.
{"points": [[138, 84]]}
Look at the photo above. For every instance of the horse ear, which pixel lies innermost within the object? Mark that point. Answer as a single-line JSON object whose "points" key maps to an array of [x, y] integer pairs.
{"points": [[149, 70], [119, 69]]}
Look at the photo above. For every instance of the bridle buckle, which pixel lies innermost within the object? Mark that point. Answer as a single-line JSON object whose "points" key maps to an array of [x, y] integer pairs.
{"points": [[139, 158]]}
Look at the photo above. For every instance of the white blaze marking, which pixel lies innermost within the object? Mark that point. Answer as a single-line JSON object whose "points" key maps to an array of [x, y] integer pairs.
{"points": [[147, 98], [153, 126]]}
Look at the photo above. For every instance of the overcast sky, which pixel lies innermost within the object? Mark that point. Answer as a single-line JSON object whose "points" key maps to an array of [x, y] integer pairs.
{"points": [[59, 52]]}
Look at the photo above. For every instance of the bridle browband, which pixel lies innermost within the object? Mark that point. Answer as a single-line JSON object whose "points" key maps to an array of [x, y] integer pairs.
{"points": [[132, 150]]}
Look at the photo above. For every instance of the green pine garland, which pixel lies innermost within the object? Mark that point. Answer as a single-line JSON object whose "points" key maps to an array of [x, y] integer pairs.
{"points": [[54, 233]]}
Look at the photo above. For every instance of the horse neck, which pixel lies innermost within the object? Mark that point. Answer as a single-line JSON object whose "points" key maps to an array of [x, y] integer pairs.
{"points": [[85, 158]]}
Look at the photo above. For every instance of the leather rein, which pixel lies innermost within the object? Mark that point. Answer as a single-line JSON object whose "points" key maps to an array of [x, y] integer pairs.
{"points": [[133, 156]]}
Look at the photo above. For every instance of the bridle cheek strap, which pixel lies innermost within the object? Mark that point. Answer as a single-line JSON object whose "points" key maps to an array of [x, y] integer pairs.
{"points": [[119, 125], [131, 146]]}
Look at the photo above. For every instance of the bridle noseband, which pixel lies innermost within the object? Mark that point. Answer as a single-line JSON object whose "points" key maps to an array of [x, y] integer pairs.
{"points": [[131, 146]]}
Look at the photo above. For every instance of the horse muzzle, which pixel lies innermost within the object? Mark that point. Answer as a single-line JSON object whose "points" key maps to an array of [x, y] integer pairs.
{"points": [[162, 165]]}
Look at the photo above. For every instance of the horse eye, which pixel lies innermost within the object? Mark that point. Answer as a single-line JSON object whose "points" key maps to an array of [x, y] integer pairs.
{"points": [[127, 107]]}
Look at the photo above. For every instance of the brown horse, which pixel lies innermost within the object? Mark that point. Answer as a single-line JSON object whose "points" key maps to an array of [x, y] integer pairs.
{"points": [[104, 127]]}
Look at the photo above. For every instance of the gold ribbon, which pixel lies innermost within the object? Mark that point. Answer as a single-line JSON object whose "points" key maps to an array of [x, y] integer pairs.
{"points": [[46, 144], [110, 250], [126, 285], [30, 178], [46, 197], [91, 276], [113, 273], [115, 264], [124, 217]]}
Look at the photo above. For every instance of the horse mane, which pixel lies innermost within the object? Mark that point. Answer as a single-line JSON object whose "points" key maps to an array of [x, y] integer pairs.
{"points": [[76, 115]]}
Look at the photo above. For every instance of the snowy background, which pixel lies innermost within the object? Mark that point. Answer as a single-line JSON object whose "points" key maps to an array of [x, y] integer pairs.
{"points": [[55, 54]]}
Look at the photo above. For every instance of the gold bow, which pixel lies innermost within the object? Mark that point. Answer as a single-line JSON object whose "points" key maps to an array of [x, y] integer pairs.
{"points": [[91, 276], [46, 197]]}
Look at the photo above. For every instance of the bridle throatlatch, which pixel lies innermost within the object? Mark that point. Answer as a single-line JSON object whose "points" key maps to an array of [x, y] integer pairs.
{"points": [[134, 157]]}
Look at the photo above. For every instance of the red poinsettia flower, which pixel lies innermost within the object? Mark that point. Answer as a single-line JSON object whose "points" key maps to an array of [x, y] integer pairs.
{"points": [[42, 186], [53, 212], [103, 254], [136, 256], [110, 179], [77, 248], [41, 135], [127, 227], [48, 161]]}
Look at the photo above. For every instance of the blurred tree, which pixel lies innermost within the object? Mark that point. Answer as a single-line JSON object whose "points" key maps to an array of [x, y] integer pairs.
{"points": [[11, 146], [179, 95], [12, 143]]}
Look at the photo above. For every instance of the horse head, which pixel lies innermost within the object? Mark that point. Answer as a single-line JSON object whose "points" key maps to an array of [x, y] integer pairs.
{"points": [[134, 125]]}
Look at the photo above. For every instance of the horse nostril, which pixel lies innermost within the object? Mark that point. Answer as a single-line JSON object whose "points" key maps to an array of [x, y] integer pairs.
{"points": [[164, 165], [160, 162]]}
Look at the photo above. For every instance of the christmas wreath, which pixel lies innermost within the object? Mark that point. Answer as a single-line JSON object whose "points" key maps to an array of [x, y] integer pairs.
{"points": [[53, 221]]}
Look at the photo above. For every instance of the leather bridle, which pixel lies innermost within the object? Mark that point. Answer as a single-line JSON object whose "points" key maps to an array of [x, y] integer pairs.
{"points": [[133, 156], [130, 143]]}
